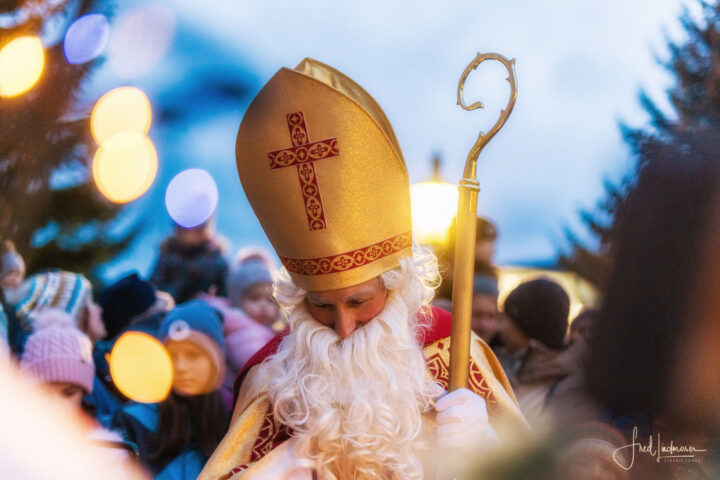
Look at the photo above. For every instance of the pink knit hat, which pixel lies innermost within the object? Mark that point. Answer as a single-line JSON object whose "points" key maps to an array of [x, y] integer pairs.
{"points": [[59, 352]]}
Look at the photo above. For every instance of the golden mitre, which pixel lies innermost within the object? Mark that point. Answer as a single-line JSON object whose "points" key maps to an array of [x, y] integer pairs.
{"points": [[323, 171]]}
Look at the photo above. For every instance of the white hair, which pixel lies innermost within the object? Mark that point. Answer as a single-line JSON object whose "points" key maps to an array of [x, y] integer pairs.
{"points": [[356, 404]]}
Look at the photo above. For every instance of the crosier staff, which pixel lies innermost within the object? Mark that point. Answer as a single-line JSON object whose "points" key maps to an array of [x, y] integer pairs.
{"points": [[466, 221]]}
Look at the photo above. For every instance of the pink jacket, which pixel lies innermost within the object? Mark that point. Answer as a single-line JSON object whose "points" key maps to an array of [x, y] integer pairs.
{"points": [[243, 337]]}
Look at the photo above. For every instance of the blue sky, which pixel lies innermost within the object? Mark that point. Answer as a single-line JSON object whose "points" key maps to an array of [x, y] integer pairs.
{"points": [[580, 66]]}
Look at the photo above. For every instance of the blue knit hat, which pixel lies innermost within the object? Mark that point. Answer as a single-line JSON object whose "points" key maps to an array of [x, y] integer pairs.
{"points": [[194, 315], [201, 324]]}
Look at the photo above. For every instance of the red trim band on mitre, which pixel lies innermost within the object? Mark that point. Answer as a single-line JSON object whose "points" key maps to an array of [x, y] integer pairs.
{"points": [[347, 261]]}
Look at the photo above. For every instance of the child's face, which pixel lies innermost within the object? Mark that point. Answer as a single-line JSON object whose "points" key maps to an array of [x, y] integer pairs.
{"points": [[65, 395], [12, 280], [193, 371], [484, 319], [93, 324], [258, 303]]}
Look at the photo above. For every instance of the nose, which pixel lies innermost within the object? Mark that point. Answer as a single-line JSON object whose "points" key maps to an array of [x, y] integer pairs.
{"points": [[179, 364], [345, 322]]}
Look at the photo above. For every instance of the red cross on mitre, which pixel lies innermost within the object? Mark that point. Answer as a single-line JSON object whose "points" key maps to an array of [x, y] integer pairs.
{"points": [[303, 154]]}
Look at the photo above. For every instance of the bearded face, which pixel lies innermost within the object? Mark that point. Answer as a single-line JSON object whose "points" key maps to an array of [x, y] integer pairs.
{"points": [[355, 404]]}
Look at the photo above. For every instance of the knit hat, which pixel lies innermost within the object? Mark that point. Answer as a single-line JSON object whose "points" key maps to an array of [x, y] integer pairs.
{"points": [[485, 285], [540, 309], [128, 297], [59, 352], [245, 276], [201, 324], [66, 291], [11, 261]]}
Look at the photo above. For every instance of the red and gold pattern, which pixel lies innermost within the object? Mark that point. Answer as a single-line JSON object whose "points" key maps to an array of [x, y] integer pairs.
{"points": [[303, 154], [354, 189], [254, 432], [235, 471], [348, 260], [438, 367], [271, 434]]}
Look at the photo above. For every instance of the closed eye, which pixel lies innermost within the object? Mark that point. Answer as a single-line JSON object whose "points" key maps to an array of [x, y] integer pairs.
{"points": [[324, 306]]}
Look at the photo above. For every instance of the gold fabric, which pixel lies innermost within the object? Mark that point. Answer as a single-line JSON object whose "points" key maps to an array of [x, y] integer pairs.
{"points": [[329, 185], [253, 427]]}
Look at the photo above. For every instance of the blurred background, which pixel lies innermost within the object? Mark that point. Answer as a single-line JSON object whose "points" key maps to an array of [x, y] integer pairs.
{"points": [[550, 180]]}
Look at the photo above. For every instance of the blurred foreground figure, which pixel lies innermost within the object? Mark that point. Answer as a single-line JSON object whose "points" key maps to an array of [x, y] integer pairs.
{"points": [[353, 389], [59, 357], [654, 358]]}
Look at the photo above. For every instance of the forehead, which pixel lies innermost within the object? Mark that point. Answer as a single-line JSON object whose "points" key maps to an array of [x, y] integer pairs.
{"points": [[369, 288], [183, 346], [261, 288]]}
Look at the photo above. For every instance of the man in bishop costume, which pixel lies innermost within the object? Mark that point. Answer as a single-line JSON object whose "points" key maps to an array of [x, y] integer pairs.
{"points": [[354, 387]]}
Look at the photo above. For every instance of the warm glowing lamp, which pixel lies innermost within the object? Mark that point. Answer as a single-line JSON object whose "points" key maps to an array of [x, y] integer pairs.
{"points": [[124, 166], [124, 109], [434, 204], [141, 367], [21, 64]]}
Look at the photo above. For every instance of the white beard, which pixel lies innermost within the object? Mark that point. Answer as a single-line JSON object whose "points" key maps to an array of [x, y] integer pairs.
{"points": [[355, 405]]}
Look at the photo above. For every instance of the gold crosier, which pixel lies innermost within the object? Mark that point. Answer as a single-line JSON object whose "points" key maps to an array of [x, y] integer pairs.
{"points": [[465, 228]]}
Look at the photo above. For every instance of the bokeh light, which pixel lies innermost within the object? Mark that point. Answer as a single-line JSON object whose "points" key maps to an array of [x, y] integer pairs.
{"points": [[21, 64], [191, 197], [124, 109], [434, 205], [140, 40], [125, 166], [141, 367], [86, 38]]}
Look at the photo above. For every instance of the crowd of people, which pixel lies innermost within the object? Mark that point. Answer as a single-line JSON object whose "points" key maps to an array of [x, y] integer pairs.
{"points": [[321, 370], [212, 316]]}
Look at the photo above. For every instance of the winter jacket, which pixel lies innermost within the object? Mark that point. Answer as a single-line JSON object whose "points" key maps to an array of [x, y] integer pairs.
{"points": [[549, 385], [243, 338], [184, 271], [138, 424]]}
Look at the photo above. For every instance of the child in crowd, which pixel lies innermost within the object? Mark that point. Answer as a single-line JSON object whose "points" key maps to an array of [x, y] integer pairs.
{"points": [[66, 291], [484, 319], [191, 261], [132, 303], [250, 288], [176, 436], [59, 356], [12, 271], [70, 293], [251, 315]]}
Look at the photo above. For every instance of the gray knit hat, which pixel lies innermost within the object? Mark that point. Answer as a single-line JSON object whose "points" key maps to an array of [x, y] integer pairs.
{"points": [[245, 276]]}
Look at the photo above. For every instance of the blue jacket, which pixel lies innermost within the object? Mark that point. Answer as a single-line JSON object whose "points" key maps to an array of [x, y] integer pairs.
{"points": [[138, 423]]}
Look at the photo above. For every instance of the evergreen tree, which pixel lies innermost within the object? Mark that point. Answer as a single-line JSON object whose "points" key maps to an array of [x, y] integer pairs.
{"points": [[49, 205], [689, 130]]}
